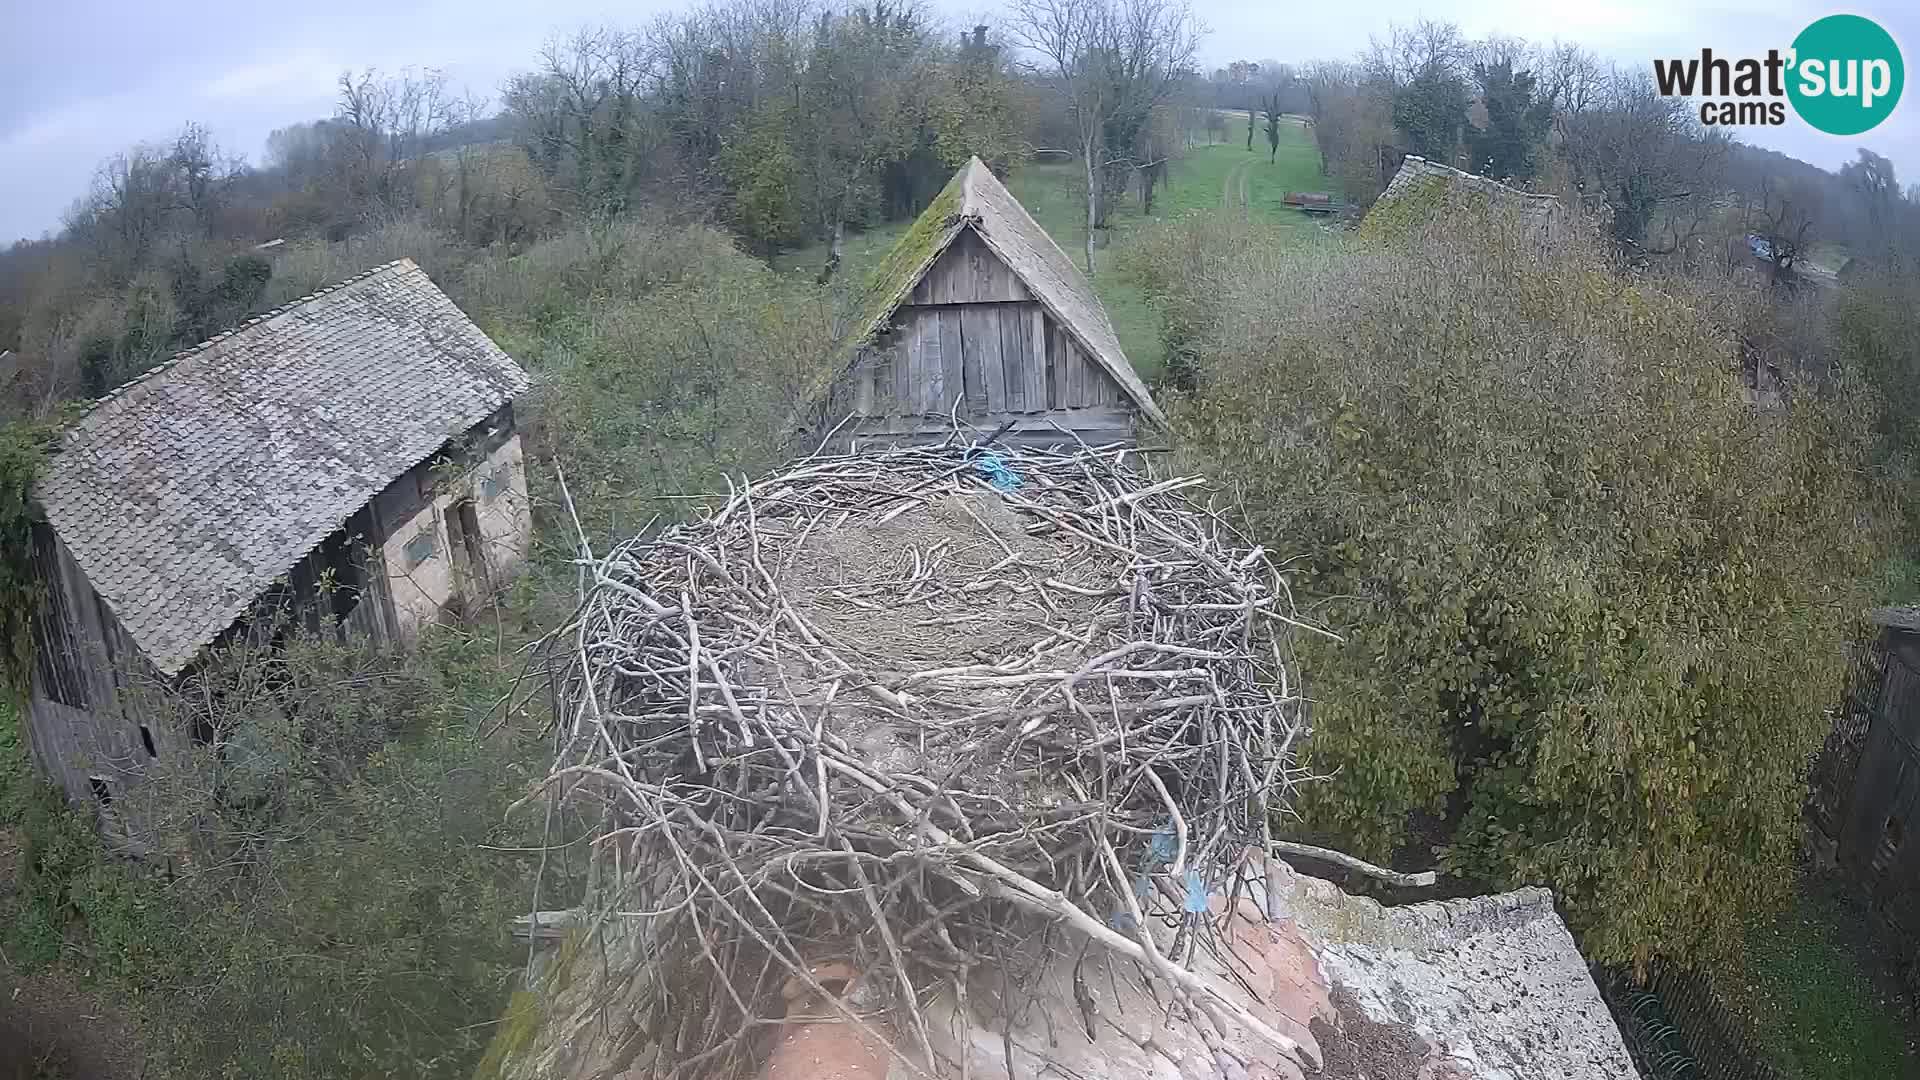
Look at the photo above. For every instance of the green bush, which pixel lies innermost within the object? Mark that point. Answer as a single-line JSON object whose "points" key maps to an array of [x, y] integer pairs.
{"points": [[1876, 331], [614, 261], [685, 367], [313, 263], [337, 892], [1593, 605]]}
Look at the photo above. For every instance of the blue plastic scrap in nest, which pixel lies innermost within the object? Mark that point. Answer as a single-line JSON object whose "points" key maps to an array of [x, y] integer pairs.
{"points": [[995, 470], [1162, 848]]}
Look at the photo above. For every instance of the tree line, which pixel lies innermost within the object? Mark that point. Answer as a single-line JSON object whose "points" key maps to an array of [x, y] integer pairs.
{"points": [[1557, 118], [788, 122]]}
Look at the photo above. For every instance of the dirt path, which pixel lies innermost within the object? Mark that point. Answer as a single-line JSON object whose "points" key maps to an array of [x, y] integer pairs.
{"points": [[1233, 187], [52, 1027]]}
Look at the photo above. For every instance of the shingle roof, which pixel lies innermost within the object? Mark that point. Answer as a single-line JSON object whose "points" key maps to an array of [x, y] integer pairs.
{"points": [[975, 199], [1415, 168], [183, 494]]}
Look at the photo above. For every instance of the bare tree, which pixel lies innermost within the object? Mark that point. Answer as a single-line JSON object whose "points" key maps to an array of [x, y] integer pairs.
{"points": [[151, 195], [1427, 47], [1353, 127], [1785, 219], [1115, 62], [1638, 150], [1270, 104], [1572, 78], [386, 123]]}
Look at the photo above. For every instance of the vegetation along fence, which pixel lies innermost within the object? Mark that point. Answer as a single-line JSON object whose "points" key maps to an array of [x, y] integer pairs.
{"points": [[1834, 770], [1677, 1028]]}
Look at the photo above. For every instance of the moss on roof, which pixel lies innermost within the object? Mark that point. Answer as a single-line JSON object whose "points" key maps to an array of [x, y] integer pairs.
{"points": [[916, 249], [1412, 206]]}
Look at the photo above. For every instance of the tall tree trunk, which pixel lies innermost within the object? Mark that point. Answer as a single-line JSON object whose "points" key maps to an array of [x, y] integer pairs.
{"points": [[1093, 197], [834, 250]]}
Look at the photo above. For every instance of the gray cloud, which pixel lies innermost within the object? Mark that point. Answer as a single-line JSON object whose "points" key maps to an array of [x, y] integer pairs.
{"points": [[84, 79]]}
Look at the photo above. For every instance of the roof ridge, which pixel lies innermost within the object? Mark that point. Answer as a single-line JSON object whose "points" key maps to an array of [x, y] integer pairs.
{"points": [[1077, 285], [193, 350], [184, 500], [1477, 178]]}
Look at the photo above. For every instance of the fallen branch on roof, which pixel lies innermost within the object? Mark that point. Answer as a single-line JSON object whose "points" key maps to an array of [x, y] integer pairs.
{"points": [[1341, 858], [921, 712]]}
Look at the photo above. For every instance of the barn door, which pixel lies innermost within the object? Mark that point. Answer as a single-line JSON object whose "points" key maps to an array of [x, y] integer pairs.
{"points": [[468, 549]]}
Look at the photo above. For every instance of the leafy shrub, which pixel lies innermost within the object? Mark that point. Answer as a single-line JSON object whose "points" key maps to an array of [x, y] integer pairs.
{"points": [[688, 362], [1876, 330], [612, 261], [1593, 604], [314, 263], [331, 899]]}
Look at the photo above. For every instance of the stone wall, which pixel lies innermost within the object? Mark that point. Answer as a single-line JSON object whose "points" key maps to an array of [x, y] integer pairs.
{"points": [[427, 567]]}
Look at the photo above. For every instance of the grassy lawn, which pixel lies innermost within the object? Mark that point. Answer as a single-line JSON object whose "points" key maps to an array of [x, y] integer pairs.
{"points": [[1053, 195], [1207, 178], [1204, 174], [1810, 1002]]}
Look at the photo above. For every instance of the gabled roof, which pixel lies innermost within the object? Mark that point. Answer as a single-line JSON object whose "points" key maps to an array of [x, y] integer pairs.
{"points": [[975, 199], [183, 494], [1415, 169]]}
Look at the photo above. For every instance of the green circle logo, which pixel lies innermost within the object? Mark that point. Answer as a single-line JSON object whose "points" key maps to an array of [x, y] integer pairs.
{"points": [[1846, 75]]}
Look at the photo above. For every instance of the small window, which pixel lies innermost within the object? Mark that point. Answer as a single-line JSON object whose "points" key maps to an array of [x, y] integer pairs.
{"points": [[491, 484], [102, 790], [419, 549], [146, 740]]}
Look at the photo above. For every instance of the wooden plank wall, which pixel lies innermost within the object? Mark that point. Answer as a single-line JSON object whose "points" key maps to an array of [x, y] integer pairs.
{"points": [[1879, 838], [76, 726], [968, 273], [972, 331]]}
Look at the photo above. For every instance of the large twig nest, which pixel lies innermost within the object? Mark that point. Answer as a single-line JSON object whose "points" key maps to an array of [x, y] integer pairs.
{"points": [[878, 721]]}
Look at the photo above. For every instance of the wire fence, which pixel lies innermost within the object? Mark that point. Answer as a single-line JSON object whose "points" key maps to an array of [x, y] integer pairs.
{"points": [[1832, 777], [1677, 1028]]}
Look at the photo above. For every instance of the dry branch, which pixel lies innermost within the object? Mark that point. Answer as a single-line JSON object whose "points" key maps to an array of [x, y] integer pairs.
{"points": [[872, 711]]}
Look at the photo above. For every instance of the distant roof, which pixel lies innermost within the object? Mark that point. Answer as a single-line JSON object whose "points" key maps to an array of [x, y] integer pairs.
{"points": [[975, 199], [1416, 168], [183, 494]]}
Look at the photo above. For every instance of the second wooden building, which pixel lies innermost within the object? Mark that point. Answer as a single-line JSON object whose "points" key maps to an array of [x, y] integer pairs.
{"points": [[977, 316]]}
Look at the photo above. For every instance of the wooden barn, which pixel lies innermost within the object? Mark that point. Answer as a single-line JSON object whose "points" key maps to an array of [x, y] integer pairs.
{"points": [[977, 315], [1864, 806], [348, 457]]}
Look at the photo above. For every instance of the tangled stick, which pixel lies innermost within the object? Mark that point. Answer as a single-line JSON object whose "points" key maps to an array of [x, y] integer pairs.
{"points": [[900, 710]]}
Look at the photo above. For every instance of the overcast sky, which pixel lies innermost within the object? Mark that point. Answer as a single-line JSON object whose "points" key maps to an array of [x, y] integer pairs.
{"points": [[82, 79]]}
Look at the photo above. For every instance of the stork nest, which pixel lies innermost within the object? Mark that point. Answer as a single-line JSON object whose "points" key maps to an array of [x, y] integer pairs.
{"points": [[875, 721]]}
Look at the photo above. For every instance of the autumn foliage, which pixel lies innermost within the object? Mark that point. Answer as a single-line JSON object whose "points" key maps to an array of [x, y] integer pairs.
{"points": [[1593, 602]]}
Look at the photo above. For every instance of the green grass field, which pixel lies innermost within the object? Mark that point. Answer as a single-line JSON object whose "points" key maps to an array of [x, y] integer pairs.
{"points": [[1807, 999], [1206, 178]]}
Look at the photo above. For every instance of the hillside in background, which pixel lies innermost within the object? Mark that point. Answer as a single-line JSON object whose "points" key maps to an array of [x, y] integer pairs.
{"points": [[1594, 518]]}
